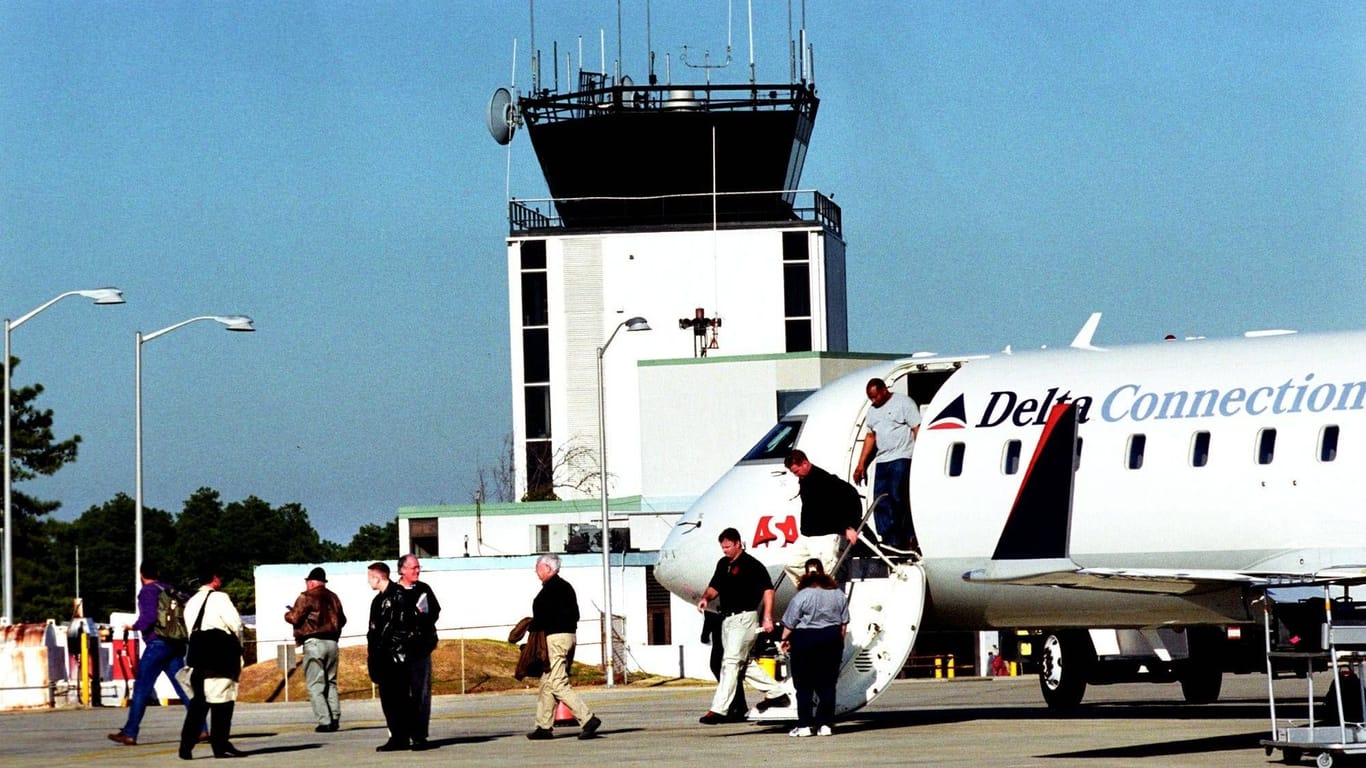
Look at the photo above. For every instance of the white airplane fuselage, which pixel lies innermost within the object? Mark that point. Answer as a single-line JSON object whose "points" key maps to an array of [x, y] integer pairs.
{"points": [[1176, 470]]}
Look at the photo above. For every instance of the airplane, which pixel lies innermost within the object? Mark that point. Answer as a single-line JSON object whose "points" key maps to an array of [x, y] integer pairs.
{"points": [[1160, 488]]}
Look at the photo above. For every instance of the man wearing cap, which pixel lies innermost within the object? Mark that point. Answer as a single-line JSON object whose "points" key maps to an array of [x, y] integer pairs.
{"points": [[318, 618]]}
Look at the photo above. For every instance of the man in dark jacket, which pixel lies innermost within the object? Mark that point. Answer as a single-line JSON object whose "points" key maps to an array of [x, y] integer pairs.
{"points": [[318, 618], [555, 611], [426, 610], [831, 513], [390, 637]]}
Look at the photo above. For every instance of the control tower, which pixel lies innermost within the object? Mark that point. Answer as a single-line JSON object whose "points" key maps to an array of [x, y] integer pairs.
{"points": [[677, 202]]}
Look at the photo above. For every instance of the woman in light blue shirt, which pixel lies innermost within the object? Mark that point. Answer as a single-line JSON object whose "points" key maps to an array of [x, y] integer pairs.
{"points": [[813, 635]]}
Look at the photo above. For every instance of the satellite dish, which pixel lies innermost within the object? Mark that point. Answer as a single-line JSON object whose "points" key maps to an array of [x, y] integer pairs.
{"points": [[502, 116]]}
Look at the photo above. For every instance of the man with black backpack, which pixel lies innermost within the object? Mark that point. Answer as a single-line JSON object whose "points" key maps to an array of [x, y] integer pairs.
{"points": [[162, 625]]}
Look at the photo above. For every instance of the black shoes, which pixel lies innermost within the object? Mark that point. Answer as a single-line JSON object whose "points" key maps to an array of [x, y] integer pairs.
{"points": [[781, 700], [123, 739], [421, 745], [229, 750], [393, 745], [711, 718], [590, 728], [542, 734]]}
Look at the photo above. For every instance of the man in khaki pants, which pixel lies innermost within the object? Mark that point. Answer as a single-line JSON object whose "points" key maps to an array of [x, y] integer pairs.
{"points": [[555, 612]]}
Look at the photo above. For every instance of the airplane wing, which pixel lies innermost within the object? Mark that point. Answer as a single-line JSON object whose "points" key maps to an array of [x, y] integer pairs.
{"points": [[1162, 581], [1034, 546]]}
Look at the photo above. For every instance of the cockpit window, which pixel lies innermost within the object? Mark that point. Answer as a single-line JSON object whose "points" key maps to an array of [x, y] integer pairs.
{"points": [[778, 442]]}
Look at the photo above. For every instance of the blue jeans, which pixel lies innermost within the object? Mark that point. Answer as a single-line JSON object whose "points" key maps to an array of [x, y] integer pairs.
{"points": [[891, 487], [158, 656]]}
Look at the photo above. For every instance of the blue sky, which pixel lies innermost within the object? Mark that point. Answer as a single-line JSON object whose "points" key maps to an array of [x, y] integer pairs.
{"points": [[1004, 169]]}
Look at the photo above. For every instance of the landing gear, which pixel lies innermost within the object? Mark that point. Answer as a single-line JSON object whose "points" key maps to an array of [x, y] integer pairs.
{"points": [[1201, 675], [1064, 663]]}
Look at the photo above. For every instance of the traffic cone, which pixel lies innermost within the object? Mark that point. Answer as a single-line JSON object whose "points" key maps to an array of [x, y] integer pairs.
{"points": [[563, 715]]}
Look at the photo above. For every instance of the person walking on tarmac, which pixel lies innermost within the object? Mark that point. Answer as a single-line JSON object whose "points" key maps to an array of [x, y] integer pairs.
{"points": [[159, 654], [743, 585]]}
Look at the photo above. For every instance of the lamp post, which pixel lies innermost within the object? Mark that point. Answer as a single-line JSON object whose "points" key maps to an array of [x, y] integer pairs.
{"points": [[634, 324], [99, 296], [240, 323]]}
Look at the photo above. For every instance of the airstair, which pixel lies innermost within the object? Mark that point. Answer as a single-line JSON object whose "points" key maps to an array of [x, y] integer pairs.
{"points": [[886, 601]]}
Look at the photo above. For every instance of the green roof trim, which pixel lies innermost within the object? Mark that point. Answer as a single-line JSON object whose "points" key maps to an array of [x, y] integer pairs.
{"points": [[516, 508]]}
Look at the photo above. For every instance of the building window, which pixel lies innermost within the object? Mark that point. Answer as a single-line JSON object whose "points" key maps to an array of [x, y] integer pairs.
{"points": [[542, 536], [797, 292], [537, 412], [791, 398], [955, 466], [1200, 449], [540, 471], [1136, 445], [1010, 463], [1328, 443], [798, 335], [422, 537], [1266, 445], [536, 355], [658, 613]]}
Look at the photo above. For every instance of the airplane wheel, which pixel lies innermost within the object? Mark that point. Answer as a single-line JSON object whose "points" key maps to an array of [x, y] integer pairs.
{"points": [[1064, 664], [1201, 684], [1324, 760], [1201, 675]]}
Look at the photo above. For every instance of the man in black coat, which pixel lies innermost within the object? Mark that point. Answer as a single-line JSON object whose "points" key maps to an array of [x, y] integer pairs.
{"points": [[393, 628], [555, 611], [831, 514]]}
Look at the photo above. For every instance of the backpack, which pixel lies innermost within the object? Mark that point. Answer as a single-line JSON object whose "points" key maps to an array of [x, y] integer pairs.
{"points": [[170, 623]]}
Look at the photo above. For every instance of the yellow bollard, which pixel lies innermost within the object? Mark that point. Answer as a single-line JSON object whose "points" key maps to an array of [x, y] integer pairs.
{"points": [[950, 665], [938, 667]]}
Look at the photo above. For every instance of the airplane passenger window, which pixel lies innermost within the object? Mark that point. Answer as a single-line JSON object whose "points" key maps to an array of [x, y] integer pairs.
{"points": [[778, 442], [1011, 463], [1136, 445], [955, 467], [1200, 449], [1266, 446], [1328, 443]]}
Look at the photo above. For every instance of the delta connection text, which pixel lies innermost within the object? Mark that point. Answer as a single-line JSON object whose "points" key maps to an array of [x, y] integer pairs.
{"points": [[1132, 402]]}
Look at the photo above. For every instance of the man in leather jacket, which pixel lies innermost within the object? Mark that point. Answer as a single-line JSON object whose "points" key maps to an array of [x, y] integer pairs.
{"points": [[393, 628], [318, 618]]}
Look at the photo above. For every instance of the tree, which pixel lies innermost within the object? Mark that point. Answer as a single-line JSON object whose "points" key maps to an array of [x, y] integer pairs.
{"points": [[372, 542], [36, 452], [501, 478]]}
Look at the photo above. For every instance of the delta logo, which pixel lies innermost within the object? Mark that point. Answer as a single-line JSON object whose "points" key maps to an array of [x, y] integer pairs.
{"points": [[1008, 407]]}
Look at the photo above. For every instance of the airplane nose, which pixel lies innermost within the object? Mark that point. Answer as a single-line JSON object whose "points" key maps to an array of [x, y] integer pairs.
{"points": [[678, 566]]}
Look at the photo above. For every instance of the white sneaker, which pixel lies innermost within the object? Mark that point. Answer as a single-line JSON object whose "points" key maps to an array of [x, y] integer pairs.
{"points": [[801, 731], [824, 730]]}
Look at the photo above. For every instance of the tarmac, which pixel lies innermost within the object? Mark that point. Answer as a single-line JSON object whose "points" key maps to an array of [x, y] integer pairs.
{"points": [[962, 722]]}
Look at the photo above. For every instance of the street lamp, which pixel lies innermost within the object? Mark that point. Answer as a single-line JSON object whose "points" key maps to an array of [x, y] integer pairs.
{"points": [[240, 323], [634, 324], [99, 296]]}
